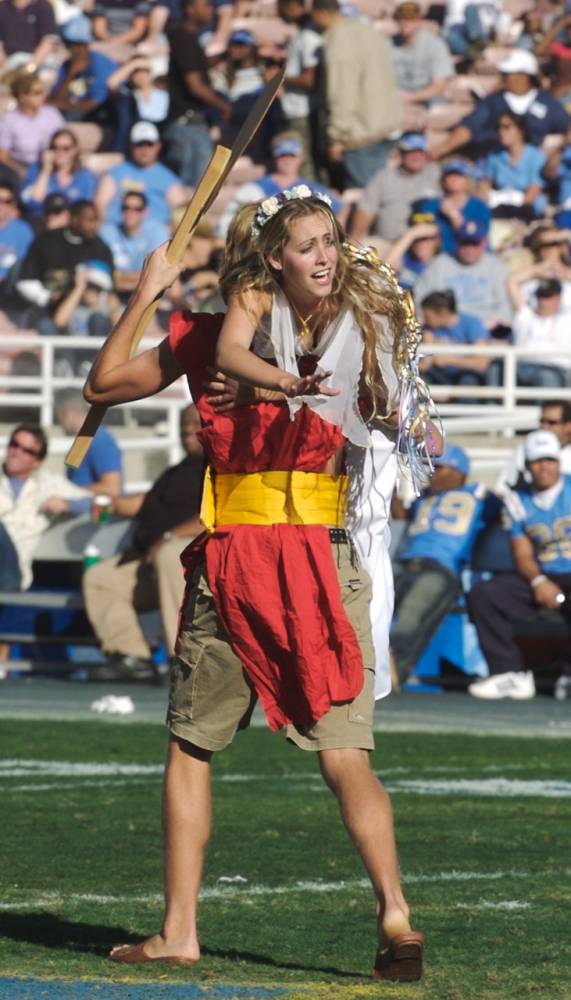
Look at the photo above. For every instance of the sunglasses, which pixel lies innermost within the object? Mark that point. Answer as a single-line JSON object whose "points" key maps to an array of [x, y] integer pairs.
{"points": [[20, 447], [63, 149], [552, 243], [133, 208], [550, 423]]}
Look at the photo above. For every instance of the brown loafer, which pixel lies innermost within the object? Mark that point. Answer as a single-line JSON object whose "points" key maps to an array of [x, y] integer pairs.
{"points": [[135, 954], [400, 960]]}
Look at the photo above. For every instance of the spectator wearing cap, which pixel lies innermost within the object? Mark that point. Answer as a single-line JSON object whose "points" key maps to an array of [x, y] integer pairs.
{"points": [[299, 97], [512, 181], [27, 130], [86, 310], [363, 106], [136, 97], [47, 273], [444, 523], [15, 234], [555, 416], [120, 22], [421, 58], [411, 254], [58, 172], [55, 211], [132, 239], [537, 517], [385, 204], [192, 98], [457, 204], [519, 92], [239, 83], [545, 322], [81, 90], [142, 171], [27, 26], [444, 324], [477, 278], [287, 155]]}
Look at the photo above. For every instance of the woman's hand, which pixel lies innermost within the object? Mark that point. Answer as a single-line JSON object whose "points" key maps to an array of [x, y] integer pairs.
{"points": [[157, 274], [309, 385]]}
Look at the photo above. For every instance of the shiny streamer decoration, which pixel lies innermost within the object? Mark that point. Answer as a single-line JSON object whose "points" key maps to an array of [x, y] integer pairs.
{"points": [[416, 407]]}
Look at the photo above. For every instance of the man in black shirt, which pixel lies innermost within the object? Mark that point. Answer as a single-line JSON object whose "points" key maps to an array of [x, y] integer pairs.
{"points": [[189, 145], [48, 270], [27, 26], [148, 574]]}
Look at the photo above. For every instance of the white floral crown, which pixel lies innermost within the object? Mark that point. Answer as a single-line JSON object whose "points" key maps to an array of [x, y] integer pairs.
{"points": [[271, 206]]}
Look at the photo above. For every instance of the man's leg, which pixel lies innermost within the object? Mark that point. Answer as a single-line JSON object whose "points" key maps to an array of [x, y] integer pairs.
{"points": [[494, 607], [367, 814], [10, 573], [420, 607], [187, 815], [113, 594], [170, 584]]}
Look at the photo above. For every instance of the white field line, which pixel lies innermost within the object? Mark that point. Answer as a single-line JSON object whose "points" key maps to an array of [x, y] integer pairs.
{"points": [[244, 891], [467, 787], [503, 904]]}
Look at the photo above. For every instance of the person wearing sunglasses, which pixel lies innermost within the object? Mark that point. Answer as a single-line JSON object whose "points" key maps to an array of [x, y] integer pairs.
{"points": [[58, 172], [132, 239], [555, 416], [30, 496], [28, 129]]}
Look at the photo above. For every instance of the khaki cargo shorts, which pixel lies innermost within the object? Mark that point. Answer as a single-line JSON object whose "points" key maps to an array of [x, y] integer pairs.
{"points": [[211, 696]]}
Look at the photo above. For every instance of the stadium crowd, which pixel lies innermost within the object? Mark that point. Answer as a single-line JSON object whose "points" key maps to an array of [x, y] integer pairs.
{"points": [[450, 152]]}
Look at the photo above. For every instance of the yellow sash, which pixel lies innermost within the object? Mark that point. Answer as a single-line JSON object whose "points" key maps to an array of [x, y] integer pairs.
{"points": [[273, 498]]}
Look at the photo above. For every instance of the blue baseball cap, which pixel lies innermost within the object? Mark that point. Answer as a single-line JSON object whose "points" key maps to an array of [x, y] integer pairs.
{"points": [[455, 458], [471, 231], [413, 141], [242, 37], [458, 167], [78, 31], [288, 147]]}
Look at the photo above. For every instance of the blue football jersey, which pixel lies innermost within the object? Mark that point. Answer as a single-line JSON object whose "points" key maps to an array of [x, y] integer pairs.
{"points": [[444, 526], [549, 530]]}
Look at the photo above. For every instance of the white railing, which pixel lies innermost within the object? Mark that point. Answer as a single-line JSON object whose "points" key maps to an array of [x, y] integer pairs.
{"points": [[25, 392]]}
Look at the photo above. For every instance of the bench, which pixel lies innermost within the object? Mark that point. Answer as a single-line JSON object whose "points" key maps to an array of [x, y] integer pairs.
{"points": [[50, 613]]}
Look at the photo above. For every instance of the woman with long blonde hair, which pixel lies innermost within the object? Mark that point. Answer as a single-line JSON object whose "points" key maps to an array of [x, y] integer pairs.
{"points": [[277, 603]]}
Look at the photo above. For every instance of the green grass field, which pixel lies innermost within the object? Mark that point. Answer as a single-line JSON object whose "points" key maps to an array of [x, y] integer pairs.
{"points": [[483, 826]]}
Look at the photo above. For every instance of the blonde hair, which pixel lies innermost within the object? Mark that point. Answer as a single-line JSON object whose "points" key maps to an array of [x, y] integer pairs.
{"points": [[358, 285], [24, 82]]}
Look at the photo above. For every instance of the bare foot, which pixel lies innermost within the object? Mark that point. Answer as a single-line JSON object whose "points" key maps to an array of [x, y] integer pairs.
{"points": [[156, 949]]}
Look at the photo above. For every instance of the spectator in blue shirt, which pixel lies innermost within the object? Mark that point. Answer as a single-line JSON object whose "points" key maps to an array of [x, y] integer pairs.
{"points": [[132, 239], [15, 234], [443, 525], [538, 518], [102, 468], [80, 90], [411, 254], [141, 172], [444, 324], [512, 181], [457, 206], [520, 93], [59, 172]]}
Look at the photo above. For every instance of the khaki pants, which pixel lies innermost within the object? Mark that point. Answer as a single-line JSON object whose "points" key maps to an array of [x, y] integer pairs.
{"points": [[114, 596]]}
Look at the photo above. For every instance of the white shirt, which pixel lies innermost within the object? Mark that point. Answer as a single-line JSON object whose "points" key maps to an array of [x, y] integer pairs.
{"points": [[303, 53], [531, 330], [515, 467], [22, 517]]}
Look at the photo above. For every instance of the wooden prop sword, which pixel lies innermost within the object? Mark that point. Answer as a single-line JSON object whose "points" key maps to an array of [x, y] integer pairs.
{"points": [[219, 166]]}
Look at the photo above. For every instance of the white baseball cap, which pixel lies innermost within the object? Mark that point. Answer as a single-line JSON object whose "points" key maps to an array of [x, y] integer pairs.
{"points": [[519, 61], [144, 132], [541, 444]]}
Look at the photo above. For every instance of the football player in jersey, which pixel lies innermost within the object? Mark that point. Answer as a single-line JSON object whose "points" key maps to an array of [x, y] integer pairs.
{"points": [[444, 524], [538, 516]]}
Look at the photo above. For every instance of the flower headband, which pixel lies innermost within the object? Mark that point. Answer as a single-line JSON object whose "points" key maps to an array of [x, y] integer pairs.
{"points": [[271, 206]]}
